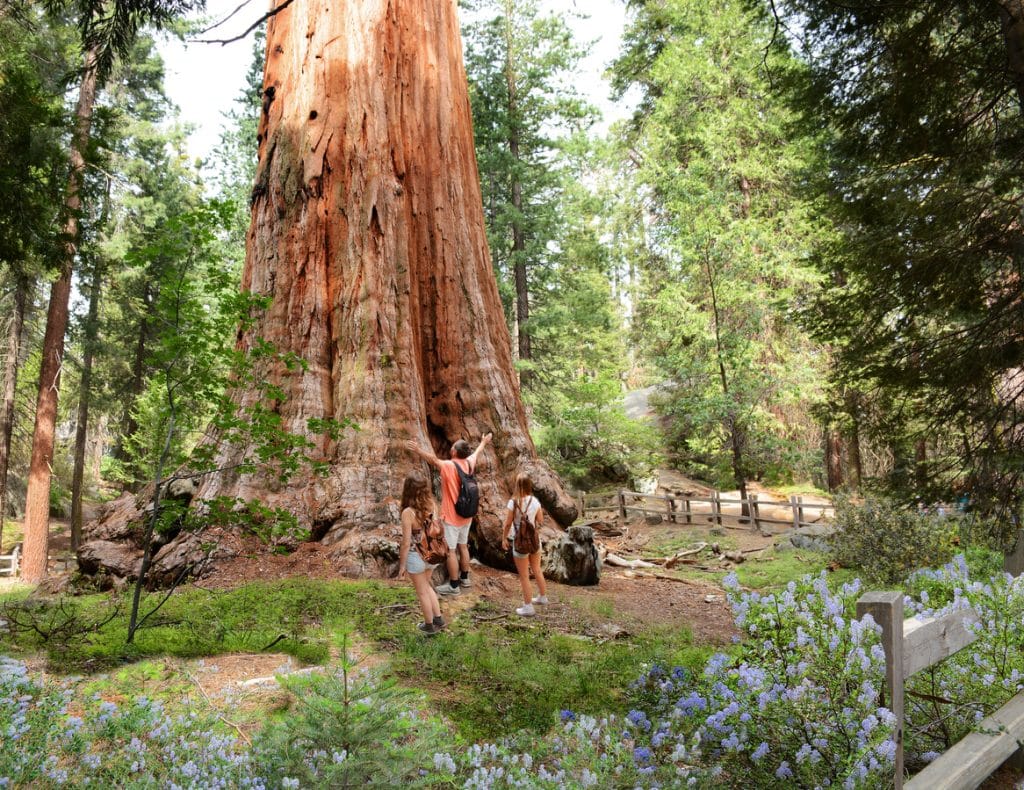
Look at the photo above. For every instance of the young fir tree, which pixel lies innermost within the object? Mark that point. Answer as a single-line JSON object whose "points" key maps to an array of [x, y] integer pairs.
{"points": [[716, 304]]}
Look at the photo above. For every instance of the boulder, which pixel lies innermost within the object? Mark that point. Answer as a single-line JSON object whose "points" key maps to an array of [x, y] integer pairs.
{"points": [[814, 538], [572, 557], [187, 555], [118, 520], [106, 556]]}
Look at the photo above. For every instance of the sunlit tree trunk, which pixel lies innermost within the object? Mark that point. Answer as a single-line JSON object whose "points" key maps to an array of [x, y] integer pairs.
{"points": [[37, 499], [368, 234]]}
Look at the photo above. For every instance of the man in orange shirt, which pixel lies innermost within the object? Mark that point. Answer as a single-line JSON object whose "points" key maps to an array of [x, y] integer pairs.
{"points": [[456, 527]]}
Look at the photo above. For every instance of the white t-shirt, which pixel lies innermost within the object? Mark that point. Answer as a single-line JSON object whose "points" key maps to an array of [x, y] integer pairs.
{"points": [[530, 506]]}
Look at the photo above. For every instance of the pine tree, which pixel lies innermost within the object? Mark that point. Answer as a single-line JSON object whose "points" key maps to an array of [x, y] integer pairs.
{"points": [[730, 234]]}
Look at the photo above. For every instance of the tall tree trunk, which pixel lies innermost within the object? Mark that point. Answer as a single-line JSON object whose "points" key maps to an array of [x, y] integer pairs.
{"points": [[921, 463], [37, 500], [14, 335], [368, 234], [1012, 17], [737, 433], [128, 423], [833, 459], [84, 394], [853, 440], [518, 235]]}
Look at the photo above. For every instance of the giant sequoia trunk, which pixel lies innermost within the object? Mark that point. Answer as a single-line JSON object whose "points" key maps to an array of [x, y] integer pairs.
{"points": [[368, 234]]}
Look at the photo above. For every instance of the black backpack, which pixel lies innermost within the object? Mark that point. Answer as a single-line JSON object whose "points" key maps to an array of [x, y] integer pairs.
{"points": [[469, 494]]}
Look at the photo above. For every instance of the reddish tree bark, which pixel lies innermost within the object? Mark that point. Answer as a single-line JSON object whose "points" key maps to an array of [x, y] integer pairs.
{"points": [[368, 234], [37, 499]]}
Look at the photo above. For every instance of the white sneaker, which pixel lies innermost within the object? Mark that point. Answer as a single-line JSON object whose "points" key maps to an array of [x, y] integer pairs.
{"points": [[465, 582], [446, 589], [541, 599], [526, 610]]}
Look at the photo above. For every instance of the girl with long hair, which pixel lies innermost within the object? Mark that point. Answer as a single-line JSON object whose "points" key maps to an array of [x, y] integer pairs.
{"points": [[525, 514], [417, 512]]}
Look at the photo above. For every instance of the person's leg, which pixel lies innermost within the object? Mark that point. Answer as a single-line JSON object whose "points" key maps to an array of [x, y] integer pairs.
{"points": [[452, 562], [451, 539], [523, 567], [464, 556], [538, 575], [435, 605], [421, 582]]}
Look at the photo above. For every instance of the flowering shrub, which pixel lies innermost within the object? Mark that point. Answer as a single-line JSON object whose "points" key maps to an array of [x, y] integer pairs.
{"points": [[795, 705], [47, 743], [584, 752], [944, 703]]}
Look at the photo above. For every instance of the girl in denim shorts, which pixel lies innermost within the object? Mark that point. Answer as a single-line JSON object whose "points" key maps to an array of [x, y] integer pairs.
{"points": [[417, 508], [524, 505]]}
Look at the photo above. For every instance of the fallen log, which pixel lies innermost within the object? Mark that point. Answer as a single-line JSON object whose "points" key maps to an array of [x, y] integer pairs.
{"points": [[674, 560], [621, 562]]}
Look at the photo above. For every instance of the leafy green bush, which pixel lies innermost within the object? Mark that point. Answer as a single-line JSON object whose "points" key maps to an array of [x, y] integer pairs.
{"points": [[266, 523], [588, 437], [888, 542]]}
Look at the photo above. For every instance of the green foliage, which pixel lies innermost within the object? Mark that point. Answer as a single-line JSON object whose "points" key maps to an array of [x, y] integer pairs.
{"points": [[348, 729], [720, 170], [297, 617], [32, 159], [924, 179], [266, 523], [589, 438], [888, 541], [497, 680], [521, 66], [581, 357]]}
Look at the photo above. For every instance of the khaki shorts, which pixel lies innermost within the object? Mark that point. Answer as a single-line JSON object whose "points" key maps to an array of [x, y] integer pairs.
{"points": [[454, 536]]}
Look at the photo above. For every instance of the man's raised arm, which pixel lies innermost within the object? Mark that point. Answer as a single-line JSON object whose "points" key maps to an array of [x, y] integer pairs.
{"points": [[426, 455], [484, 441]]}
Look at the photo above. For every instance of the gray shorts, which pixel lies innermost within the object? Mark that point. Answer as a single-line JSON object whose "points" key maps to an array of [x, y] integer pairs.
{"points": [[414, 562], [454, 536]]}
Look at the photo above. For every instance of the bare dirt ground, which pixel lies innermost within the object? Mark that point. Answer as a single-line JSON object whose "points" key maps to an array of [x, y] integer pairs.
{"points": [[621, 601]]}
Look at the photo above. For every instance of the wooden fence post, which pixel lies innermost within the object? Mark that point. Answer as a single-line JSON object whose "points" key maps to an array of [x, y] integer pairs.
{"points": [[887, 610], [793, 503], [755, 513], [622, 504], [688, 509], [670, 507], [716, 508]]}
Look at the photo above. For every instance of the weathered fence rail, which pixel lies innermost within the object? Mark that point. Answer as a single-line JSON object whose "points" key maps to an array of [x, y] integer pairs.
{"points": [[751, 510], [9, 563], [913, 645]]}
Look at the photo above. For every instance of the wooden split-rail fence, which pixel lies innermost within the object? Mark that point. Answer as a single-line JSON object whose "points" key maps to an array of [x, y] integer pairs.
{"points": [[913, 645], [752, 510], [9, 563]]}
